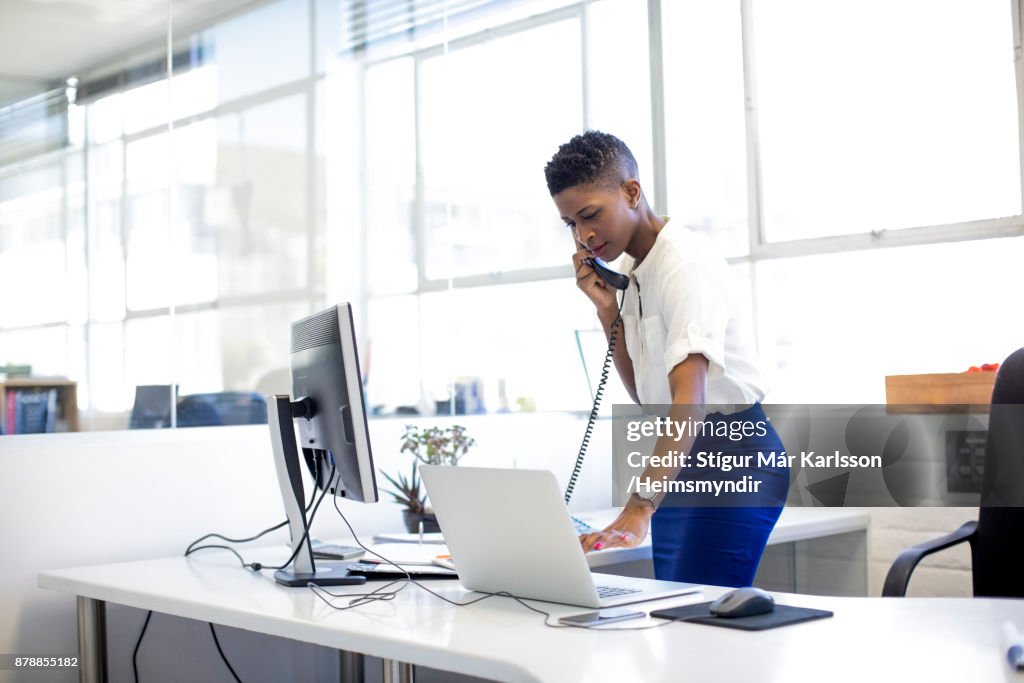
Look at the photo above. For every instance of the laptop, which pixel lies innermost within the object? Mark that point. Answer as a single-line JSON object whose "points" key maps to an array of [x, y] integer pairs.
{"points": [[509, 531]]}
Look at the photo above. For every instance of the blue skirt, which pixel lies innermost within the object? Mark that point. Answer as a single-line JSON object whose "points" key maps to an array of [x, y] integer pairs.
{"points": [[721, 545]]}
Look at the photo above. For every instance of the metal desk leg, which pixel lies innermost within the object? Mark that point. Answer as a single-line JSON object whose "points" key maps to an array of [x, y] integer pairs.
{"points": [[92, 640], [397, 672], [352, 664]]}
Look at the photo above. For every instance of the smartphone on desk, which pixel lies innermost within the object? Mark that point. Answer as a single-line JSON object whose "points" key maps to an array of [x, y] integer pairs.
{"points": [[334, 551], [602, 616]]}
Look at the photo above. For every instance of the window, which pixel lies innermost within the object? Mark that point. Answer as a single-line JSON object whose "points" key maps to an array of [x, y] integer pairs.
{"points": [[171, 257], [32, 250], [259, 230], [879, 115], [518, 341], [619, 80], [255, 51], [311, 161], [492, 114], [390, 187], [835, 325], [705, 131]]}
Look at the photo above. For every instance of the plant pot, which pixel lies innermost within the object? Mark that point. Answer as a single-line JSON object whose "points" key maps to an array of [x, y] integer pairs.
{"points": [[413, 519]]}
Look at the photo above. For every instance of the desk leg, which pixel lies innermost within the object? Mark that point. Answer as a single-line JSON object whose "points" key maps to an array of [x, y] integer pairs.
{"points": [[352, 668], [397, 672], [92, 640]]}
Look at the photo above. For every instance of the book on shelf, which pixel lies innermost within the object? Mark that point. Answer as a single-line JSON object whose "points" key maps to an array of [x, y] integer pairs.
{"points": [[32, 410], [9, 418]]}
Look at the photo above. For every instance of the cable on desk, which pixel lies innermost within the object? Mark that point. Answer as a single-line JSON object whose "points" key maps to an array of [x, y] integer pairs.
{"points": [[192, 546], [381, 594], [257, 566]]}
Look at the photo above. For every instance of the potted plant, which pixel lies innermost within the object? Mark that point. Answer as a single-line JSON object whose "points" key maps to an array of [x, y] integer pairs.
{"points": [[430, 446]]}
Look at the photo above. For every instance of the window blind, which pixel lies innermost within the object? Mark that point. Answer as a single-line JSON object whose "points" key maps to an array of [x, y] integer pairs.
{"points": [[33, 126], [370, 24]]}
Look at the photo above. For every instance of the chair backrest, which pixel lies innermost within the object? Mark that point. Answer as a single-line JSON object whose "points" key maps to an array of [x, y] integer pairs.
{"points": [[152, 407], [221, 408], [999, 547], [196, 411]]}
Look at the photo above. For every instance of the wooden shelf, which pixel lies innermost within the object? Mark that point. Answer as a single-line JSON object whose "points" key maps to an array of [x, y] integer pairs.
{"points": [[938, 392], [67, 398]]}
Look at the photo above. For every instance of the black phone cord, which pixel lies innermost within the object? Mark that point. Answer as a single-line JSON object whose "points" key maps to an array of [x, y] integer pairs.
{"points": [[598, 395]]}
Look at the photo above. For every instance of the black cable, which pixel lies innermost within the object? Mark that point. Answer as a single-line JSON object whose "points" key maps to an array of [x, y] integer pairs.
{"points": [[192, 546], [222, 655], [592, 419], [305, 532], [319, 590], [138, 644], [190, 549], [379, 594], [257, 566]]}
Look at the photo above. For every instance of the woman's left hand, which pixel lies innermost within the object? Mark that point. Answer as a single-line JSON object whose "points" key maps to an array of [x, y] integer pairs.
{"points": [[627, 531]]}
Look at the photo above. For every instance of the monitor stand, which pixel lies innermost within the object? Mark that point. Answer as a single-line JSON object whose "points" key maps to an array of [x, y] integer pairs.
{"points": [[302, 571]]}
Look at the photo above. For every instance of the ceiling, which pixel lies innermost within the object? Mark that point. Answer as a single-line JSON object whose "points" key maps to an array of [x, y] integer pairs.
{"points": [[43, 41]]}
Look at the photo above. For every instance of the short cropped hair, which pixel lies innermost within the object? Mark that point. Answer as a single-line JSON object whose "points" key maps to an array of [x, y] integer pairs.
{"points": [[593, 158]]}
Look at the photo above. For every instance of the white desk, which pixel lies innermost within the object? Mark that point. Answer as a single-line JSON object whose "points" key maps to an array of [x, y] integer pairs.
{"points": [[952, 639], [795, 524]]}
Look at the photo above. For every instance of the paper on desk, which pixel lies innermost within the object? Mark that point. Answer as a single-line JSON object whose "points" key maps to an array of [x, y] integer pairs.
{"points": [[434, 537], [406, 553]]}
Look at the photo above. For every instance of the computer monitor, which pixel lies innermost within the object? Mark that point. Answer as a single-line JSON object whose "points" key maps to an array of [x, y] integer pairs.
{"points": [[325, 369], [328, 404]]}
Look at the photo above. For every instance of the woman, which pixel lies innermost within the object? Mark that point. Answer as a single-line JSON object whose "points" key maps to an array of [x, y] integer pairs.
{"points": [[687, 346]]}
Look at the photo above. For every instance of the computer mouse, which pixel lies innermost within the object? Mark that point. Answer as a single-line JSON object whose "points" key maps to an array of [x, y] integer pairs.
{"points": [[743, 602]]}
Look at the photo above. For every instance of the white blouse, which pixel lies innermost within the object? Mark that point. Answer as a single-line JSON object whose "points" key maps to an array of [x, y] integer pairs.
{"points": [[682, 299]]}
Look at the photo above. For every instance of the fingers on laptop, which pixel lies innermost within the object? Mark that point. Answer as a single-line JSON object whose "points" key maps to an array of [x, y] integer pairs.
{"points": [[609, 538], [617, 538]]}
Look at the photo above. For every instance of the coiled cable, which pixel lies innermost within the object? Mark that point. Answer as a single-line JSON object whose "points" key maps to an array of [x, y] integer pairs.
{"points": [[598, 395]]}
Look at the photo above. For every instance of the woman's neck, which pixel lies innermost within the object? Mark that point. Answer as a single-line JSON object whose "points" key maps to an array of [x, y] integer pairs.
{"points": [[646, 234]]}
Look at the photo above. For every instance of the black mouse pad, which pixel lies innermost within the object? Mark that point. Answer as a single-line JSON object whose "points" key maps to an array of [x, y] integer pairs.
{"points": [[782, 615]]}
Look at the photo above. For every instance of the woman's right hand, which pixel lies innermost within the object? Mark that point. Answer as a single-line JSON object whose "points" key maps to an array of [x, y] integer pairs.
{"points": [[591, 284]]}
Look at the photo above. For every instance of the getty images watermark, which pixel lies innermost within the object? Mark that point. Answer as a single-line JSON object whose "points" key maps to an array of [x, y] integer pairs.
{"points": [[804, 455]]}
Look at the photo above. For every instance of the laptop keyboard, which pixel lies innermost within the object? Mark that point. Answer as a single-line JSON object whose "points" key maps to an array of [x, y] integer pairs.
{"points": [[614, 591], [581, 526]]}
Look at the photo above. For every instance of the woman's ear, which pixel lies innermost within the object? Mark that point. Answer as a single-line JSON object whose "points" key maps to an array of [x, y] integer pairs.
{"points": [[633, 192]]}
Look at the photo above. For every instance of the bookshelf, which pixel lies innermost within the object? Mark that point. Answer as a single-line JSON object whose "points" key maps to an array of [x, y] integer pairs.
{"points": [[60, 393]]}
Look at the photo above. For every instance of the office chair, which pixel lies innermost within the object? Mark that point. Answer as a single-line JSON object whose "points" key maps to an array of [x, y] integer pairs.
{"points": [[196, 411], [996, 537], [152, 407], [221, 408]]}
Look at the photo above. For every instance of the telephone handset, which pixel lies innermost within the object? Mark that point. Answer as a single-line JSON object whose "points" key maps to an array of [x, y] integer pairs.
{"points": [[616, 280]]}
